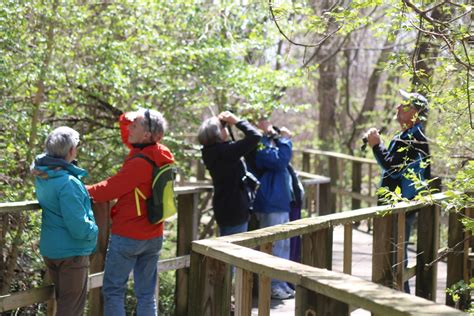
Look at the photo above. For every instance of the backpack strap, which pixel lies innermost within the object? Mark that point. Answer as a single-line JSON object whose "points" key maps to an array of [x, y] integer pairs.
{"points": [[137, 191], [139, 155]]}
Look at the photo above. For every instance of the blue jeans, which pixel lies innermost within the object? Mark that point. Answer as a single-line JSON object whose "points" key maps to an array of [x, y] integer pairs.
{"points": [[123, 256], [281, 248], [230, 230]]}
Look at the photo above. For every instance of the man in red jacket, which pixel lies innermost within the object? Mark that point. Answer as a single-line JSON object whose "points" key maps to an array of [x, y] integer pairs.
{"points": [[135, 244]]}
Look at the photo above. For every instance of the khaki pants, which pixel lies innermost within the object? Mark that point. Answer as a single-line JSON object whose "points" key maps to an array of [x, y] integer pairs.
{"points": [[69, 276]]}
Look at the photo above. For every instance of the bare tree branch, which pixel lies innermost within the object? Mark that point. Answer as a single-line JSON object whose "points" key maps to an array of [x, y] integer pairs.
{"points": [[324, 39]]}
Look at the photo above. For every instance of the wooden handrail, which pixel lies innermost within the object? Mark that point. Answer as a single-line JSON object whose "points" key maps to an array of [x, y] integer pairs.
{"points": [[13, 207], [307, 225], [342, 287], [187, 195], [44, 293], [336, 155]]}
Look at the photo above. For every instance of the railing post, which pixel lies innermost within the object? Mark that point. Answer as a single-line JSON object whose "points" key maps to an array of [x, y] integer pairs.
{"points": [[305, 164], [201, 170], [97, 263], [333, 174], [382, 258], [458, 242], [51, 303], [317, 252], [309, 196], [356, 182], [347, 262], [264, 286], [325, 199], [187, 232], [427, 251], [209, 287], [400, 250], [243, 292]]}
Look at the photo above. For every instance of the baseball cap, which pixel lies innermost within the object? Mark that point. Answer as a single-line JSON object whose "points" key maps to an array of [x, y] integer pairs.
{"points": [[417, 101]]}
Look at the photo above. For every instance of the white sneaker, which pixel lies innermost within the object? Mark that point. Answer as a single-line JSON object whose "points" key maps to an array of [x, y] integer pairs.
{"points": [[280, 294], [288, 289]]}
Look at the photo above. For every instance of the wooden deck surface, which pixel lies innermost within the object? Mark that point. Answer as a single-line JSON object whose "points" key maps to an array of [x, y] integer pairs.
{"points": [[361, 267]]}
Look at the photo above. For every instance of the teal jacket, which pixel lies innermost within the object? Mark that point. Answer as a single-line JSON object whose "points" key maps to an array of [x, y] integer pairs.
{"points": [[68, 227]]}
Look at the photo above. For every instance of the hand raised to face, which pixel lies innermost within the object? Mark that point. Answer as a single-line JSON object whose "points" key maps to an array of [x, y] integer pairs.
{"points": [[373, 137], [228, 117]]}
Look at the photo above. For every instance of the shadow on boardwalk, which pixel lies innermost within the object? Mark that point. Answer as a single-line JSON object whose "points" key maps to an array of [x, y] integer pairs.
{"points": [[361, 267]]}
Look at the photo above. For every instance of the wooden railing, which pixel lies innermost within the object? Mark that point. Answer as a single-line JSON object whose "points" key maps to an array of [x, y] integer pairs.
{"points": [[189, 205], [319, 291], [359, 187], [316, 253], [187, 220]]}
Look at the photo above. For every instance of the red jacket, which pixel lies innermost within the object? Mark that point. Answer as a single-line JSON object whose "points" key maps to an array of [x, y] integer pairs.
{"points": [[131, 186]]}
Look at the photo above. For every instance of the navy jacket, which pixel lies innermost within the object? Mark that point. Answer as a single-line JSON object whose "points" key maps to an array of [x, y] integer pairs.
{"points": [[408, 153], [223, 160], [271, 162]]}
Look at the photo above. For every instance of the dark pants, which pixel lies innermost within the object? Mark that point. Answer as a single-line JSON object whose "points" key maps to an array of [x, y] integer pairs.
{"points": [[69, 276]]}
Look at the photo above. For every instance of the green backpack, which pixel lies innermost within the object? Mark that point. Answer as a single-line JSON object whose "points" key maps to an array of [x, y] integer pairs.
{"points": [[162, 203]]}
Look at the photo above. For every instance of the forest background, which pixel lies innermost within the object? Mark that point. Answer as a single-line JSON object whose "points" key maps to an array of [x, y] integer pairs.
{"points": [[327, 70]]}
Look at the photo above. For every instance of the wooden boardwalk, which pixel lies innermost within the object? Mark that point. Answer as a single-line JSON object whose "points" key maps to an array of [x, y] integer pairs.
{"points": [[361, 267]]}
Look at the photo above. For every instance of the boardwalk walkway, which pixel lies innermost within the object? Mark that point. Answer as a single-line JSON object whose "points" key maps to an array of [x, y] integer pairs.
{"points": [[361, 267]]}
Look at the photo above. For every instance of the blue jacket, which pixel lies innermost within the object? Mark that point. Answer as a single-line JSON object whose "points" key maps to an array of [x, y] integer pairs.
{"points": [[68, 227], [408, 152], [271, 162]]}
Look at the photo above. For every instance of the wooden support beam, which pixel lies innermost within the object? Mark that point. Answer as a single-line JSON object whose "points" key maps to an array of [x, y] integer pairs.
{"points": [[400, 250], [347, 263], [97, 262], [382, 259], [356, 183], [243, 292], [209, 287], [342, 288], [457, 260], [333, 174], [325, 202], [187, 232], [427, 249], [264, 286], [306, 162]]}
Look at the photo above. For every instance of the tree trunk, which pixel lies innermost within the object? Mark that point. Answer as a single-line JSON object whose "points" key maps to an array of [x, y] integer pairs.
{"points": [[371, 94], [327, 93], [425, 52]]}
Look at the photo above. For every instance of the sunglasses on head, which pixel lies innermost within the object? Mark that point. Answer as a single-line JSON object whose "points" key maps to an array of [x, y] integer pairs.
{"points": [[148, 118]]}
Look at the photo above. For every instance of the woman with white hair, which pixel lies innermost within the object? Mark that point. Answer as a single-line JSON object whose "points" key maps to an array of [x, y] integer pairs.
{"points": [[68, 229]]}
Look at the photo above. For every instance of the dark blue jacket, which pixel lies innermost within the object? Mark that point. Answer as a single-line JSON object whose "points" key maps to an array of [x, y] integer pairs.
{"points": [[271, 162], [408, 153]]}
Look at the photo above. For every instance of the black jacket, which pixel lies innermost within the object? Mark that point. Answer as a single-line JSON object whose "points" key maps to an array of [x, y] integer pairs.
{"points": [[223, 160]]}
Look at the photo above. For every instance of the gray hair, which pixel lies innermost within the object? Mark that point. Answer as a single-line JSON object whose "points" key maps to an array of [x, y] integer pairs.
{"points": [[60, 141], [210, 132], [154, 122]]}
